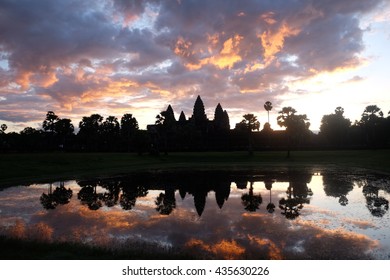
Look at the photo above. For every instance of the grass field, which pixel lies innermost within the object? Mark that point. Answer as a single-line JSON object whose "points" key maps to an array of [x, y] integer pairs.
{"points": [[43, 167]]}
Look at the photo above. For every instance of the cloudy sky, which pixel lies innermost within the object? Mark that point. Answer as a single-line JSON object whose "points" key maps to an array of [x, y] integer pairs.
{"points": [[113, 57]]}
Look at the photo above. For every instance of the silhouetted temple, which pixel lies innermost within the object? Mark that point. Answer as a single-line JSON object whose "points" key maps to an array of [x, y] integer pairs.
{"points": [[198, 120]]}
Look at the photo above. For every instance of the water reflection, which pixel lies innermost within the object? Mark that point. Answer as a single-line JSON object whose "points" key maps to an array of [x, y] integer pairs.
{"points": [[126, 190], [274, 215]]}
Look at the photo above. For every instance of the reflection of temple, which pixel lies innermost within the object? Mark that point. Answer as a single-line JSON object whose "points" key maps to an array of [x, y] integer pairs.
{"points": [[126, 190]]}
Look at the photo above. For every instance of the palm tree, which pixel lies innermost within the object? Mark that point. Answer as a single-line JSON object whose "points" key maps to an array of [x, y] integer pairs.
{"points": [[268, 107]]}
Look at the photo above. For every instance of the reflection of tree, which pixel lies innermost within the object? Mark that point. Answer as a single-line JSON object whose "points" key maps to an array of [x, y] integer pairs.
{"points": [[251, 201], [48, 200], [268, 185], [89, 196], [297, 195], [166, 202], [129, 196], [110, 197], [60, 195], [377, 205], [338, 187]]}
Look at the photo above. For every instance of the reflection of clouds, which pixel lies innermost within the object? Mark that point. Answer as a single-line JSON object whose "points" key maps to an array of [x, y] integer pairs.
{"points": [[224, 249], [359, 223], [230, 232], [318, 210], [274, 252], [39, 231]]}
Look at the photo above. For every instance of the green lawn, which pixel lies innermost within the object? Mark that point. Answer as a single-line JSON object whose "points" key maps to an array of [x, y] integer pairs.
{"points": [[40, 167]]}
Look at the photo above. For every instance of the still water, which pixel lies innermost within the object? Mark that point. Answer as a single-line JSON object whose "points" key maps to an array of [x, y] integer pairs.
{"points": [[289, 214]]}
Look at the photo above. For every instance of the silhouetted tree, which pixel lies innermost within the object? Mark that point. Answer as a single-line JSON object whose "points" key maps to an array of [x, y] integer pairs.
{"points": [[90, 128], [49, 123], [373, 125], [48, 126], [129, 126], [64, 131], [249, 124], [268, 107], [109, 133], [335, 127], [297, 126], [31, 139]]}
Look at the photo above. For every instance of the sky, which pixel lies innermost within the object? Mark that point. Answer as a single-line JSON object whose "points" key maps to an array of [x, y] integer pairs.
{"points": [[113, 57]]}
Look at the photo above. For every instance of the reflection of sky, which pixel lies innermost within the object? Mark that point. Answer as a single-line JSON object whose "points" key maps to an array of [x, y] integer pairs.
{"points": [[324, 228]]}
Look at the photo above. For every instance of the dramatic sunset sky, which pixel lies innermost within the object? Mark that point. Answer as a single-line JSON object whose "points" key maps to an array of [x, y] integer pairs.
{"points": [[111, 57]]}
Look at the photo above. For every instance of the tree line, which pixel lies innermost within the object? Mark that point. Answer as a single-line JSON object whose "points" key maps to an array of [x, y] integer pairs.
{"points": [[198, 133]]}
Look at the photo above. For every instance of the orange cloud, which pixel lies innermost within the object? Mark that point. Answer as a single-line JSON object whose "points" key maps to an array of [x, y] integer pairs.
{"points": [[275, 253], [273, 42], [183, 47], [268, 18], [225, 59]]}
